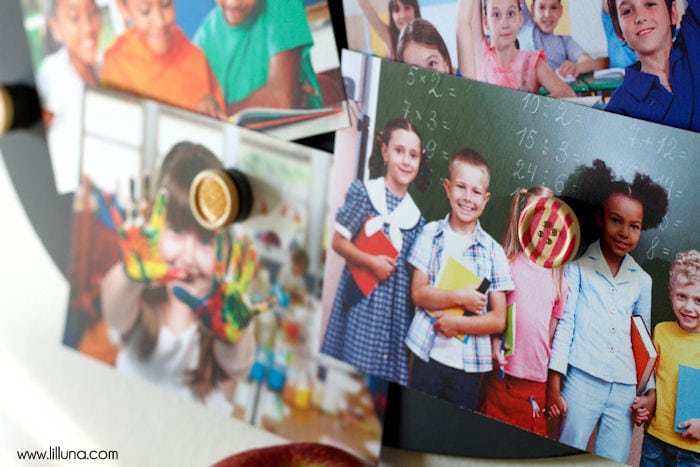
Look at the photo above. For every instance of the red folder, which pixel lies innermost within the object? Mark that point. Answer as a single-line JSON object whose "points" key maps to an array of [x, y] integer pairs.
{"points": [[376, 244], [645, 355]]}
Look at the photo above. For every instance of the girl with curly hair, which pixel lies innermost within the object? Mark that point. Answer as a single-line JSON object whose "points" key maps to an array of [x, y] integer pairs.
{"points": [[592, 379]]}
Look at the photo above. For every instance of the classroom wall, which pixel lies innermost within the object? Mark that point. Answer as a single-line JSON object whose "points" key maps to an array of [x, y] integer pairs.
{"points": [[587, 26]]}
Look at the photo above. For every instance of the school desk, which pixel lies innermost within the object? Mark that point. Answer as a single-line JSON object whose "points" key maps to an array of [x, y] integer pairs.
{"points": [[601, 86]]}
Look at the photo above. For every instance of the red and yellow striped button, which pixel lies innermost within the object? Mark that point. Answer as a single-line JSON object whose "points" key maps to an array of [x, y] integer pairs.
{"points": [[549, 232]]}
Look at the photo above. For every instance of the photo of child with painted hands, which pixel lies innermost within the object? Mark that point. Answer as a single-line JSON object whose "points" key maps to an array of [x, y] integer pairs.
{"points": [[177, 300], [606, 287]]}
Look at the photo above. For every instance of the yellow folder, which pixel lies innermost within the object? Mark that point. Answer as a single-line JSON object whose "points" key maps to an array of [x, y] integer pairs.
{"points": [[456, 276]]}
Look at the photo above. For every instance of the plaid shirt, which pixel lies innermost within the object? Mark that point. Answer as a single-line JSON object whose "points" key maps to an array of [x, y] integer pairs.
{"points": [[484, 257]]}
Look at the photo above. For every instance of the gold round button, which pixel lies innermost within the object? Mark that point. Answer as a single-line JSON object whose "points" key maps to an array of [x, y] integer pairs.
{"points": [[6, 110], [219, 197]]}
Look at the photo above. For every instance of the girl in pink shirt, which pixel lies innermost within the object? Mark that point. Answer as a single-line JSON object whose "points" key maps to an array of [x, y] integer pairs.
{"points": [[515, 393], [497, 60]]}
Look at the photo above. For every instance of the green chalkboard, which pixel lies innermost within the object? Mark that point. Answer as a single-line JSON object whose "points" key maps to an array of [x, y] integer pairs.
{"points": [[530, 140]]}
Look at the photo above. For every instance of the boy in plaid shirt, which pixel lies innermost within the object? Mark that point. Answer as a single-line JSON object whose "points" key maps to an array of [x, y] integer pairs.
{"points": [[448, 367]]}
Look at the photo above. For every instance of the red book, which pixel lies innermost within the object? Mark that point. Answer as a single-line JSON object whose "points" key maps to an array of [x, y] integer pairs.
{"points": [[645, 355], [376, 244]]}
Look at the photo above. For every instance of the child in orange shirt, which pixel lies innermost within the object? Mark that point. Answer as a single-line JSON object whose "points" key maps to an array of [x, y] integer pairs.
{"points": [[154, 59]]}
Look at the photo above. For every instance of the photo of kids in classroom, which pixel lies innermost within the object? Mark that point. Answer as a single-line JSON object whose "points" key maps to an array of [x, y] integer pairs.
{"points": [[269, 64], [228, 316], [508, 268], [587, 52]]}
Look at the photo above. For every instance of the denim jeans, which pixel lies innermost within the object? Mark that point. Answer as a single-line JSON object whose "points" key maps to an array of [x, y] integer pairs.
{"points": [[659, 453], [450, 384], [594, 402]]}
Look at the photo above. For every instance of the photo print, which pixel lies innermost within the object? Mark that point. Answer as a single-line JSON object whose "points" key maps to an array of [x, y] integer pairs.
{"points": [[272, 66], [561, 48], [508, 239], [229, 318]]}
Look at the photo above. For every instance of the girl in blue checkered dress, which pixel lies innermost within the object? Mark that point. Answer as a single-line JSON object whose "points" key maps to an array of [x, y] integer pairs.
{"points": [[368, 329]]}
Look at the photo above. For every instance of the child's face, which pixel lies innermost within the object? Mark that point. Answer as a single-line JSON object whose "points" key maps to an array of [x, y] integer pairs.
{"points": [[546, 14], [298, 269], [402, 14], [402, 158], [76, 25], [236, 11], [503, 21], [621, 222], [685, 300], [186, 250], [467, 191], [153, 22], [424, 56], [646, 25]]}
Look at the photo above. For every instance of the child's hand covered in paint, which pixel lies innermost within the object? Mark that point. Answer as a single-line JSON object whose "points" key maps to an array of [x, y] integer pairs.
{"points": [[140, 242], [226, 310]]}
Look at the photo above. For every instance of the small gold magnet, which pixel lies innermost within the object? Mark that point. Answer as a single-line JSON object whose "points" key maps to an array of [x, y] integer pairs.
{"points": [[220, 197]]}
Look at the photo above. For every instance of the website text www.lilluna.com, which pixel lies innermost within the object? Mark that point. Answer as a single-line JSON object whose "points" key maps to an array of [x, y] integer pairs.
{"points": [[55, 453]]}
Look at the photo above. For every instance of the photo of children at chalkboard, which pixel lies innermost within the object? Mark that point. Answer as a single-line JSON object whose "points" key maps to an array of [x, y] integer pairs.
{"points": [[278, 56], [607, 286], [572, 374], [374, 232]]}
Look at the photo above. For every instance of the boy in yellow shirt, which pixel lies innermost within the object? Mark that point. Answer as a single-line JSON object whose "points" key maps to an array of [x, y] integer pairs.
{"points": [[678, 343]]}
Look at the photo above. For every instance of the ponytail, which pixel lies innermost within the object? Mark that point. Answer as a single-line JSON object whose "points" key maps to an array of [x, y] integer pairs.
{"points": [[511, 241]]}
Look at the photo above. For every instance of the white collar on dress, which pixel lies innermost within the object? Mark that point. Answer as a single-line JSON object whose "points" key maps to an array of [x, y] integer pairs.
{"points": [[404, 217]]}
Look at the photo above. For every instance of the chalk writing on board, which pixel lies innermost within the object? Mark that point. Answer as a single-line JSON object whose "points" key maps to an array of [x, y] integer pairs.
{"points": [[652, 247], [530, 140], [565, 114], [432, 81], [527, 137], [431, 117], [525, 170], [667, 147], [531, 103]]}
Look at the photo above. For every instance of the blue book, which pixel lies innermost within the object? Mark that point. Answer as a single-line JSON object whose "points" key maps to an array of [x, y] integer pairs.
{"points": [[687, 397]]}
